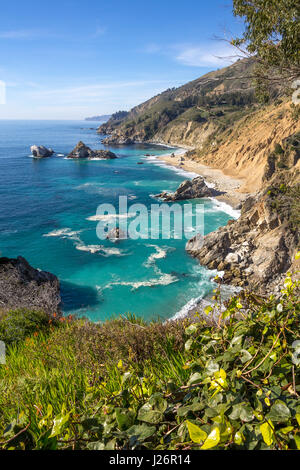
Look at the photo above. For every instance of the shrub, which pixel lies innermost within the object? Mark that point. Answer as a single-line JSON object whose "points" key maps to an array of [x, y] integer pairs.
{"points": [[16, 325], [232, 384]]}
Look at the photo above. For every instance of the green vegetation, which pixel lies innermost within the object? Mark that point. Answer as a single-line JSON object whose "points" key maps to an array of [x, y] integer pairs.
{"points": [[228, 383], [272, 34]]}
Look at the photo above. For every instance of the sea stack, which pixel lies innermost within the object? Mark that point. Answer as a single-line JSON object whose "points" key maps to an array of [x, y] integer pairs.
{"points": [[39, 151], [83, 151]]}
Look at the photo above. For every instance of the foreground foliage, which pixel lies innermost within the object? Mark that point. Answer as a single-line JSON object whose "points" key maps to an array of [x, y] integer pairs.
{"points": [[232, 383]]}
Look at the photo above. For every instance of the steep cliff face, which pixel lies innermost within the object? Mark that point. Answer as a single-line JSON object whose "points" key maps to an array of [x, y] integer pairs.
{"points": [[242, 150], [259, 247], [22, 286]]}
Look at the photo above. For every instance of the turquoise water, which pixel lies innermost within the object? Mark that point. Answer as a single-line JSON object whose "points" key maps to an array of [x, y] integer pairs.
{"points": [[44, 211]]}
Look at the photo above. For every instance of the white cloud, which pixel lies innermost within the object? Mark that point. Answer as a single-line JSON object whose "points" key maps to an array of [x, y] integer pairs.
{"points": [[89, 93], [211, 55]]}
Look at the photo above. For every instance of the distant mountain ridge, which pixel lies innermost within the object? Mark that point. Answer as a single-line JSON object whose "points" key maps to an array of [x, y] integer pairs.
{"points": [[103, 117]]}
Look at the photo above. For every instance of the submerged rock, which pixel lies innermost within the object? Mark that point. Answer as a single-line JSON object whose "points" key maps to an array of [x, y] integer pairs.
{"points": [[22, 286], [39, 151], [189, 189], [83, 151]]}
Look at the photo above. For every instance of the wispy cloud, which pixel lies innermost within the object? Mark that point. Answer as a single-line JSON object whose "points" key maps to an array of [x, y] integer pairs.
{"points": [[94, 91], [211, 55], [18, 34]]}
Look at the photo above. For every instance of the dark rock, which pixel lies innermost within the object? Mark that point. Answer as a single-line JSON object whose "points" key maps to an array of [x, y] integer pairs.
{"points": [[22, 286], [189, 189], [82, 151]]}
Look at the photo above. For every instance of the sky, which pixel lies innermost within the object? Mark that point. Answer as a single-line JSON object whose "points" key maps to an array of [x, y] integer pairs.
{"points": [[63, 59]]}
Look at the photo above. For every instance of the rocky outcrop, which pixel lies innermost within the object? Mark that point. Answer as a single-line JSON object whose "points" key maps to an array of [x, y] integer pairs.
{"points": [[259, 247], [39, 151], [83, 151], [22, 286], [115, 234], [189, 189]]}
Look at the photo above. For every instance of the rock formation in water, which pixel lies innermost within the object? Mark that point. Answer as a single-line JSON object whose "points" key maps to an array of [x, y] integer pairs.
{"points": [[39, 151], [22, 286], [189, 189], [83, 151], [115, 234]]}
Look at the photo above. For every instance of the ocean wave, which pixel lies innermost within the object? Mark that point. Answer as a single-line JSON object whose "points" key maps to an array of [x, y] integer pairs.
{"points": [[224, 207], [64, 233], [100, 249], [108, 217], [164, 280], [187, 308], [158, 254], [180, 171]]}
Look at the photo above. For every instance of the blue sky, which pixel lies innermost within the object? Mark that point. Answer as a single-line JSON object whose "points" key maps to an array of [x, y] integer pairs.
{"points": [[71, 59]]}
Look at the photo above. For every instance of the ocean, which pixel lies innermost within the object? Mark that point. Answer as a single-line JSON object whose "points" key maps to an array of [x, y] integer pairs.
{"points": [[47, 215]]}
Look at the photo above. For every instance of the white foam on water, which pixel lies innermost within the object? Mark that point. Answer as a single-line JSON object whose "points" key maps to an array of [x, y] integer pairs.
{"points": [[185, 310], [164, 280], [64, 233], [104, 251], [108, 217], [158, 254], [224, 207]]}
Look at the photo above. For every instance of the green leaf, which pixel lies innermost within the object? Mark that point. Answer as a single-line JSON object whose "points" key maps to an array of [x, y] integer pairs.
{"points": [[191, 329], [58, 424], [125, 418], [297, 441], [141, 432], [96, 446], [208, 309], [150, 416], [267, 433], [238, 438], [188, 344], [212, 440], [158, 402], [195, 378], [279, 412], [246, 356], [196, 433]]}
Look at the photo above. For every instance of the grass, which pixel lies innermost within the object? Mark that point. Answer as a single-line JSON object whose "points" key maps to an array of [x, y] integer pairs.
{"points": [[126, 384]]}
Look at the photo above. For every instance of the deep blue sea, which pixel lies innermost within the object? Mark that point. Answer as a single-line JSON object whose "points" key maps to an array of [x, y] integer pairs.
{"points": [[46, 215]]}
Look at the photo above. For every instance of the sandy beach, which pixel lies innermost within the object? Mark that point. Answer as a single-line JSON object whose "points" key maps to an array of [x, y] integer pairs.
{"points": [[226, 184]]}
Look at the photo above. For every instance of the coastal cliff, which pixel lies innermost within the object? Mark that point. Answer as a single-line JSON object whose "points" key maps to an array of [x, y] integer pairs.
{"points": [[220, 119], [187, 115]]}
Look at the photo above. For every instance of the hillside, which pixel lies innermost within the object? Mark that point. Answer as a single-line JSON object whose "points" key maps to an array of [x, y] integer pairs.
{"points": [[188, 114]]}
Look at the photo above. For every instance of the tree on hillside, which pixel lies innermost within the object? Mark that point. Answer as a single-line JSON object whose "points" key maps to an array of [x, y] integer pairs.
{"points": [[272, 34]]}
